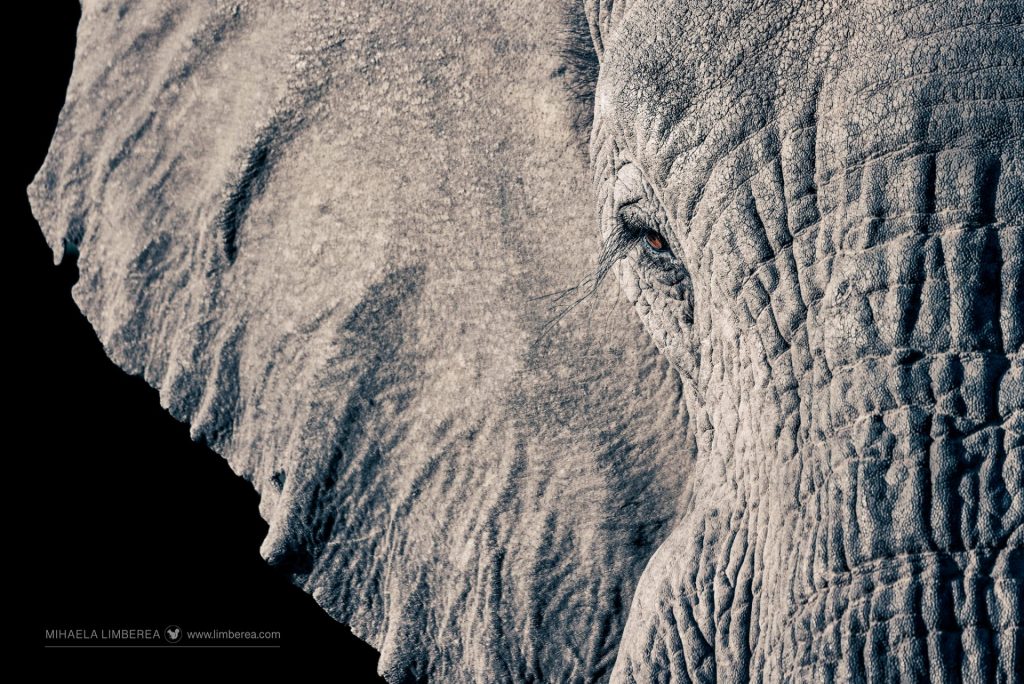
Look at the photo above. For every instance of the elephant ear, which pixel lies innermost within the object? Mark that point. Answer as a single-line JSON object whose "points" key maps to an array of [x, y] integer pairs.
{"points": [[328, 237]]}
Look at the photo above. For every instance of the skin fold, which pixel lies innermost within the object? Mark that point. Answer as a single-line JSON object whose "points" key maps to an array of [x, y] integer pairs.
{"points": [[780, 441]]}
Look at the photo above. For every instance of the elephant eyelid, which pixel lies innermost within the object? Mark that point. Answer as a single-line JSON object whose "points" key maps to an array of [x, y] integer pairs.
{"points": [[632, 223]]}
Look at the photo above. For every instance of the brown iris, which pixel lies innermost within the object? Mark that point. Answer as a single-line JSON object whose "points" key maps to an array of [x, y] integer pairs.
{"points": [[656, 241]]}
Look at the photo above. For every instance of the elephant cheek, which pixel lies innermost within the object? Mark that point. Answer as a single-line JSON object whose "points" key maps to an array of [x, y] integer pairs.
{"points": [[667, 314], [869, 532]]}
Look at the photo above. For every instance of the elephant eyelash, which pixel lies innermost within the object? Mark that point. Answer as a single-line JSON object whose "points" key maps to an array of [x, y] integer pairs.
{"points": [[615, 248], [630, 232]]}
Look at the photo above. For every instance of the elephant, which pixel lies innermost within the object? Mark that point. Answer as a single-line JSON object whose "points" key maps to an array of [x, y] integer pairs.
{"points": [[607, 340]]}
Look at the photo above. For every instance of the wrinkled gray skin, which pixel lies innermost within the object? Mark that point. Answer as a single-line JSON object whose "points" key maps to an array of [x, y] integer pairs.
{"points": [[842, 192], [322, 231]]}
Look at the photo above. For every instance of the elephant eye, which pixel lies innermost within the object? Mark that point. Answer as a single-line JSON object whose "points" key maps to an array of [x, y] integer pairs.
{"points": [[656, 241], [636, 228]]}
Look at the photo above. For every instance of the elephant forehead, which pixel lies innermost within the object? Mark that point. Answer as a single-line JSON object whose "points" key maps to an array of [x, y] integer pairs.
{"points": [[674, 75], [645, 75]]}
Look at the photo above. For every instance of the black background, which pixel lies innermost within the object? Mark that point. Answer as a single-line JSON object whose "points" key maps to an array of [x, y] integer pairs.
{"points": [[116, 518]]}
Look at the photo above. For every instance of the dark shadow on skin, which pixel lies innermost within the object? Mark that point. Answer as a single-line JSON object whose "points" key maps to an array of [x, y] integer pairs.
{"points": [[251, 183]]}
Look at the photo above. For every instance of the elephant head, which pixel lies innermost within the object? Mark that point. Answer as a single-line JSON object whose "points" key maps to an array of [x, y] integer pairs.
{"points": [[817, 214], [329, 235]]}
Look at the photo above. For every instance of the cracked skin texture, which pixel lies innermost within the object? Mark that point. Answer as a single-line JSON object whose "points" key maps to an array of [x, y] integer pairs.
{"points": [[842, 185], [320, 230]]}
